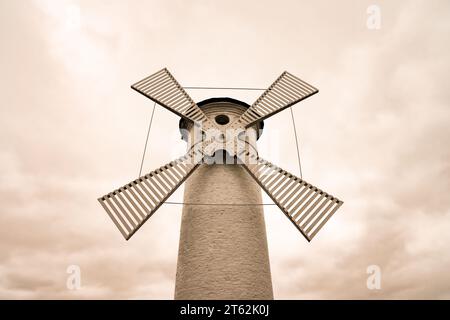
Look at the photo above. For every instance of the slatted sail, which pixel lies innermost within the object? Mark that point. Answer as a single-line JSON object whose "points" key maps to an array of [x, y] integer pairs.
{"points": [[308, 207], [286, 91], [131, 205], [162, 88]]}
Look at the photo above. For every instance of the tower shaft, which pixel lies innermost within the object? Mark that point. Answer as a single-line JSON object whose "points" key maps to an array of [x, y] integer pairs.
{"points": [[223, 249]]}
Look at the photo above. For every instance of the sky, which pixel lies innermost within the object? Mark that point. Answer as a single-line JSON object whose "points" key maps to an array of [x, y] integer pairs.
{"points": [[376, 136]]}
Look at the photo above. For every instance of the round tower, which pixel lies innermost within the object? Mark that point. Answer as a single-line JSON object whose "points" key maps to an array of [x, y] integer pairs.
{"points": [[223, 250]]}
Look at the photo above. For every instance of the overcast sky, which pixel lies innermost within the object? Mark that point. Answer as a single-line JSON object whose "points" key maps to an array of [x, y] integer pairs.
{"points": [[376, 136]]}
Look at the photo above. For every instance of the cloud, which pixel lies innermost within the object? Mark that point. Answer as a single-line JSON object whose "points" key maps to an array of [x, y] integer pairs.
{"points": [[376, 136]]}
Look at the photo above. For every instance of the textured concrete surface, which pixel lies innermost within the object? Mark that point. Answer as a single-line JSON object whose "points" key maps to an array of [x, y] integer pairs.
{"points": [[223, 249]]}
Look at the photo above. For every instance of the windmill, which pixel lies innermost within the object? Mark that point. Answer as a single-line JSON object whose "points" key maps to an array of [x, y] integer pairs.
{"points": [[223, 247]]}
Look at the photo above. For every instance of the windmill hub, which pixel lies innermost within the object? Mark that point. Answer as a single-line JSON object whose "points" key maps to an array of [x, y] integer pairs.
{"points": [[221, 130], [234, 141]]}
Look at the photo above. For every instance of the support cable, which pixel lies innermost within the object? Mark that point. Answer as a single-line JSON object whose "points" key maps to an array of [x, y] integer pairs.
{"points": [[296, 143], [219, 204], [223, 88], [146, 140]]}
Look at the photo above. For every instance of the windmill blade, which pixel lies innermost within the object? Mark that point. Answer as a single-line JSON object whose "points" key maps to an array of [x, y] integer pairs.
{"points": [[308, 207], [162, 88], [286, 91], [131, 205]]}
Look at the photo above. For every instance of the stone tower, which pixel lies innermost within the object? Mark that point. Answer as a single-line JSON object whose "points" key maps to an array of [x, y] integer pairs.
{"points": [[223, 250]]}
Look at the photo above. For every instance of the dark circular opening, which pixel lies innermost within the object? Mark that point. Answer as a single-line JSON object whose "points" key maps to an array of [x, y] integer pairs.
{"points": [[222, 119]]}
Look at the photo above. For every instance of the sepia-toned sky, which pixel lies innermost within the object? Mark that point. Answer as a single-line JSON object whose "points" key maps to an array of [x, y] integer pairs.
{"points": [[377, 136]]}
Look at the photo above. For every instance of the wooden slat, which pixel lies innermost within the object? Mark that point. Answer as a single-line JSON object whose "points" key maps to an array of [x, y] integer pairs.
{"points": [[316, 210], [290, 193], [165, 90], [307, 206], [141, 195], [311, 193], [307, 212], [148, 182], [286, 91], [147, 205], [304, 187], [121, 229], [149, 79], [302, 211], [284, 187], [135, 194], [121, 219], [123, 212], [133, 203], [329, 215], [145, 185], [130, 210]]}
